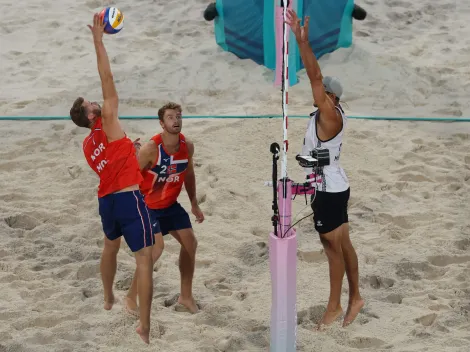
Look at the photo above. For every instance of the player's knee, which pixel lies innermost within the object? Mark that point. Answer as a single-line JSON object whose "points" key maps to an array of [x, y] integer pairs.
{"points": [[332, 241], [158, 247], [193, 245], [143, 256], [112, 246], [188, 241]]}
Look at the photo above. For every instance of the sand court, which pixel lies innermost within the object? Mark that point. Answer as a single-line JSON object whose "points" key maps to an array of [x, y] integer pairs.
{"points": [[410, 182]]}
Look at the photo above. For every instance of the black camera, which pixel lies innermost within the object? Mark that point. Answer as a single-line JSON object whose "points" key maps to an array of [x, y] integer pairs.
{"points": [[318, 157]]}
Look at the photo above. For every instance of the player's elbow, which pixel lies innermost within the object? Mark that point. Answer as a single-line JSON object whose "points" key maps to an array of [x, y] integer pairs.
{"points": [[112, 99], [190, 178], [315, 77]]}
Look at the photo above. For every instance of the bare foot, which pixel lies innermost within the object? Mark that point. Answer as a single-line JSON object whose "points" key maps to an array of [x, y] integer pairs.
{"points": [[144, 334], [189, 303], [330, 317], [354, 308], [108, 302], [131, 307]]}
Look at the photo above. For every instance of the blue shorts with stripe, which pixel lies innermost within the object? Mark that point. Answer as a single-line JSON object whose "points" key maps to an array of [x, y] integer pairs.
{"points": [[126, 214], [169, 219]]}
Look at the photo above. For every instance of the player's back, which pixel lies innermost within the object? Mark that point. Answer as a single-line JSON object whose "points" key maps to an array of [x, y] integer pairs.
{"points": [[114, 162]]}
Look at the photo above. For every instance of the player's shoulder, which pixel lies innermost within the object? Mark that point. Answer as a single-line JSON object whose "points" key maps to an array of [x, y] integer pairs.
{"points": [[90, 140], [150, 146], [185, 139], [189, 145]]}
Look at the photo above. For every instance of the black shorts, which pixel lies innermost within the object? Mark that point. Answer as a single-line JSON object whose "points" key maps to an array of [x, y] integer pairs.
{"points": [[169, 219], [330, 210]]}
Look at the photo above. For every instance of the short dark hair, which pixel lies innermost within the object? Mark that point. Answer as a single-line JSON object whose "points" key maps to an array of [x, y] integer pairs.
{"points": [[168, 106], [79, 113]]}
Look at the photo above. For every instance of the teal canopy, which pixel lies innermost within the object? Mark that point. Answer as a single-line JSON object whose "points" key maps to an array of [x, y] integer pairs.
{"points": [[246, 28]]}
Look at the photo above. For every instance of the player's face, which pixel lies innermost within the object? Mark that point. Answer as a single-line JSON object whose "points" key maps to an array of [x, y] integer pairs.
{"points": [[92, 108], [172, 121]]}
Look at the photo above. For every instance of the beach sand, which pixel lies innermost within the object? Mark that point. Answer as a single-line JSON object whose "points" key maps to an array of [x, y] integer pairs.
{"points": [[409, 182]]}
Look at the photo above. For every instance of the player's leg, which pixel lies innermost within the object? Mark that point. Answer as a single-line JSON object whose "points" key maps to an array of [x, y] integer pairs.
{"points": [[332, 244], [352, 270], [328, 224], [131, 300], [187, 262], [144, 273], [181, 230], [108, 266], [112, 243], [137, 231]]}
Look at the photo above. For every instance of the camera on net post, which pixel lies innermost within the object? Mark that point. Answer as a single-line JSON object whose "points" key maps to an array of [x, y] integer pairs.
{"points": [[318, 157]]}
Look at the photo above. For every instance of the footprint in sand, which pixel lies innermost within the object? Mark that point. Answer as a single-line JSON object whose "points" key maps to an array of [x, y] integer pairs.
{"points": [[439, 307], [311, 316], [93, 4], [445, 260], [417, 270], [43, 321], [426, 320], [312, 256], [403, 222], [230, 343], [204, 263], [56, 126], [377, 282], [253, 253], [125, 283], [463, 245], [74, 171], [365, 316], [394, 298], [370, 259], [218, 286], [215, 315], [42, 244], [454, 187], [88, 270], [5, 267], [22, 221], [363, 342], [241, 296], [255, 333], [209, 174], [258, 232]]}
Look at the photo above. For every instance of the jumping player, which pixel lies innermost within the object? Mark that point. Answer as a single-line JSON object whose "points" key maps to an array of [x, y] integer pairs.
{"points": [[112, 155], [325, 130], [166, 162]]}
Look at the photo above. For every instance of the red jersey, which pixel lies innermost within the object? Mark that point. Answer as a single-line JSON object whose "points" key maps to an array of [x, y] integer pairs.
{"points": [[164, 180], [115, 163]]}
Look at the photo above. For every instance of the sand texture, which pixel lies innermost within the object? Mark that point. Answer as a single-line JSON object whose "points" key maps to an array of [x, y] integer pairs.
{"points": [[410, 181]]}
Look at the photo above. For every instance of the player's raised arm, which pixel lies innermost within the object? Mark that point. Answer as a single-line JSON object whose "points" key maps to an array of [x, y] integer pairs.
{"points": [[320, 97], [109, 110]]}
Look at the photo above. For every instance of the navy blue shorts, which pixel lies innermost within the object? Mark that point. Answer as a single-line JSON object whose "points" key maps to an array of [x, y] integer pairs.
{"points": [[126, 214], [170, 219]]}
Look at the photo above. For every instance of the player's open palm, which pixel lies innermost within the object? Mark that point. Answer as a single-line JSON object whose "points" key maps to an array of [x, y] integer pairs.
{"points": [[300, 32], [98, 27]]}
